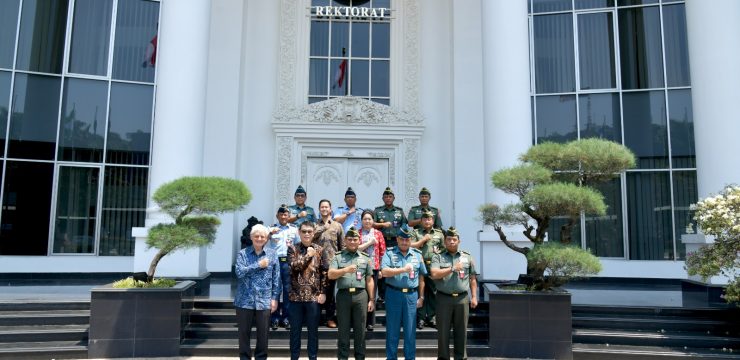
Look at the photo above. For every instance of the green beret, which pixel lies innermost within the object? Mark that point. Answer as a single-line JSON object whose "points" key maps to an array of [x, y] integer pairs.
{"points": [[283, 209], [427, 214], [424, 191], [352, 233], [300, 190], [388, 191], [349, 192], [452, 232]]}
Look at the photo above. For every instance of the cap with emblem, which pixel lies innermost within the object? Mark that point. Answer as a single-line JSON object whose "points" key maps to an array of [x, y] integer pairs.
{"points": [[404, 232], [388, 191], [452, 232], [283, 209], [349, 192], [352, 232], [424, 191], [427, 214], [300, 190]]}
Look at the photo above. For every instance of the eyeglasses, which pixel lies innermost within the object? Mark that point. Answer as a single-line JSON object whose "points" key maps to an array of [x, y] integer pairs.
{"points": [[300, 195], [306, 231]]}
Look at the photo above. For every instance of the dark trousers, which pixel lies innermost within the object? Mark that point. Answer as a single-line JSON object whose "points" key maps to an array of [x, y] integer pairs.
{"points": [[371, 314], [428, 311], [329, 306], [452, 313], [351, 313], [304, 313], [245, 318], [283, 311], [400, 311]]}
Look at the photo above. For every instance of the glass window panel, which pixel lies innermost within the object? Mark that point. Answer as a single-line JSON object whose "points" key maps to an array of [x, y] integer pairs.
{"points": [[41, 38], [381, 40], [135, 47], [124, 207], [360, 78], [640, 48], [685, 193], [386, 4], [680, 109], [556, 118], [649, 216], [129, 124], [381, 78], [339, 38], [88, 53], [551, 5], [82, 128], [596, 51], [26, 208], [8, 28], [361, 39], [5, 78], [554, 57], [313, 100], [555, 226], [317, 77], [593, 4], [635, 2], [319, 2], [604, 233], [33, 125], [77, 208], [599, 116], [382, 101], [340, 71], [645, 130], [319, 38], [676, 45]]}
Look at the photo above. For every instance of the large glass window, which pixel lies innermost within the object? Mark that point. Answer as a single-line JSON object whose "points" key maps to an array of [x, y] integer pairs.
{"points": [[554, 57], [556, 120], [90, 37], [8, 28], [4, 107], [645, 129], [33, 125], [124, 207], [640, 48], [600, 116], [76, 214], [130, 124], [685, 193], [683, 151], [135, 49], [41, 38], [82, 125], [604, 233], [350, 55], [649, 208], [676, 51], [596, 51]]}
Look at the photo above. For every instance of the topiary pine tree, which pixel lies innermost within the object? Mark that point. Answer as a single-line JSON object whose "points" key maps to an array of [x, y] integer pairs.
{"points": [[554, 180], [193, 202]]}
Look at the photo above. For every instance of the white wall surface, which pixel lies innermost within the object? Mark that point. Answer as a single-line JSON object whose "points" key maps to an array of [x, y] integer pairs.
{"points": [[66, 264]]}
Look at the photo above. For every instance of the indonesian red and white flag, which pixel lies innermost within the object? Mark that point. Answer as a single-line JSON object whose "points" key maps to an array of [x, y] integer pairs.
{"points": [[340, 74]]}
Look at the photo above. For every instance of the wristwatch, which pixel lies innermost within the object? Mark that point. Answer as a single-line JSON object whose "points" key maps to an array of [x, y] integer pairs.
{"points": [[421, 298]]}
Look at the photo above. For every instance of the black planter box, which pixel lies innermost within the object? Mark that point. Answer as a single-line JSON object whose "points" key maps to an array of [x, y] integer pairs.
{"points": [[524, 324], [138, 322]]}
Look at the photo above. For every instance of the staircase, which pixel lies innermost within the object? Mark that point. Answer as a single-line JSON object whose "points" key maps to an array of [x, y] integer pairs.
{"points": [[44, 329]]}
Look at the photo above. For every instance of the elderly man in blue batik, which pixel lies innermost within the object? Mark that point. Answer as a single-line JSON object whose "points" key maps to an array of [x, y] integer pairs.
{"points": [[258, 277], [283, 235]]}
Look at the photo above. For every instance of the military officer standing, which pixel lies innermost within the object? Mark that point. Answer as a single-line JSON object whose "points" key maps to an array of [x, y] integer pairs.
{"points": [[282, 236], [454, 274], [430, 241], [389, 218], [300, 213], [404, 270], [353, 271], [349, 215], [416, 211]]}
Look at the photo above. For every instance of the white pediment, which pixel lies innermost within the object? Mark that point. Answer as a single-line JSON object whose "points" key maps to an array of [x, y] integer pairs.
{"points": [[348, 110]]}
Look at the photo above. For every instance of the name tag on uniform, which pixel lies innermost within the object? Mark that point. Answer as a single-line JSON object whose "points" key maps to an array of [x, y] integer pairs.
{"points": [[405, 290], [352, 290]]}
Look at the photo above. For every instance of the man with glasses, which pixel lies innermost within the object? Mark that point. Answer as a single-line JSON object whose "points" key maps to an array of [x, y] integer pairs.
{"points": [[299, 212]]}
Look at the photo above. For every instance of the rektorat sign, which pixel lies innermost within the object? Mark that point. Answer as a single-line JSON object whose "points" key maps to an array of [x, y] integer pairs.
{"points": [[351, 11]]}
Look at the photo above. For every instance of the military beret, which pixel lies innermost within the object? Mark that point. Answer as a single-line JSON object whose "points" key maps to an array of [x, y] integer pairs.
{"points": [[300, 190], [424, 191], [404, 232], [349, 192], [388, 191], [352, 232], [283, 209], [427, 214], [452, 232]]}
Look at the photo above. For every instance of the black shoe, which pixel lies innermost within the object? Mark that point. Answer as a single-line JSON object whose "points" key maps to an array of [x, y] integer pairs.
{"points": [[275, 325], [420, 324], [286, 324], [431, 323], [369, 328]]}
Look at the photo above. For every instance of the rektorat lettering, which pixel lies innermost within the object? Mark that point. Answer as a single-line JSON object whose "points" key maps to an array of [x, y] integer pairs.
{"points": [[350, 11]]}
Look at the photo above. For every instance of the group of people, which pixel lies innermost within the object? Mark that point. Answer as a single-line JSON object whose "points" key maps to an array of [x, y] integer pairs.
{"points": [[338, 265]]}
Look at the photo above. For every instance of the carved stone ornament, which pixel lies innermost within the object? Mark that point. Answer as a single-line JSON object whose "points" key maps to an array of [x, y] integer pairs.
{"points": [[347, 110]]}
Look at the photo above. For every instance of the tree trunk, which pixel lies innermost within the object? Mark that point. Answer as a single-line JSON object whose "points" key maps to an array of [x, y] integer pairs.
{"points": [[566, 231], [153, 265]]}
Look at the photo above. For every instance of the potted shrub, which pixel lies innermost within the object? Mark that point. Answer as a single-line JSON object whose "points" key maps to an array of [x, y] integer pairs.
{"points": [[145, 318], [552, 181], [719, 217]]}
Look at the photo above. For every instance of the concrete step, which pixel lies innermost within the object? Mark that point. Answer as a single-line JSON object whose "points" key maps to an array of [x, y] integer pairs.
{"points": [[662, 339], [627, 352], [38, 333], [44, 317], [44, 350]]}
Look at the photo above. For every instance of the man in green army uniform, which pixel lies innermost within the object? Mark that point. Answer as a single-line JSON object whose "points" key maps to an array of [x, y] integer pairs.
{"points": [[416, 211], [454, 274], [430, 241], [389, 218], [353, 271]]}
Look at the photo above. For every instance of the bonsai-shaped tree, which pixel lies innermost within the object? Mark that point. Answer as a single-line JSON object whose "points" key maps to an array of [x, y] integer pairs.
{"points": [[719, 216], [554, 180], [193, 202]]}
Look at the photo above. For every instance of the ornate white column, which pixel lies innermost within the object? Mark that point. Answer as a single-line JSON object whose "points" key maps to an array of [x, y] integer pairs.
{"points": [[507, 119], [179, 119], [714, 54]]}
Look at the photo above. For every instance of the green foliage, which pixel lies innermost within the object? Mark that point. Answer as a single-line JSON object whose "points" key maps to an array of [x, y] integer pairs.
{"points": [[130, 283], [519, 180], [494, 215], [562, 263], [201, 195], [192, 232], [559, 198], [719, 216]]}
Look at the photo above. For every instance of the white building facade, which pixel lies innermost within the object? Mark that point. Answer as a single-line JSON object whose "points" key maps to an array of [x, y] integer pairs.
{"points": [[368, 94]]}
